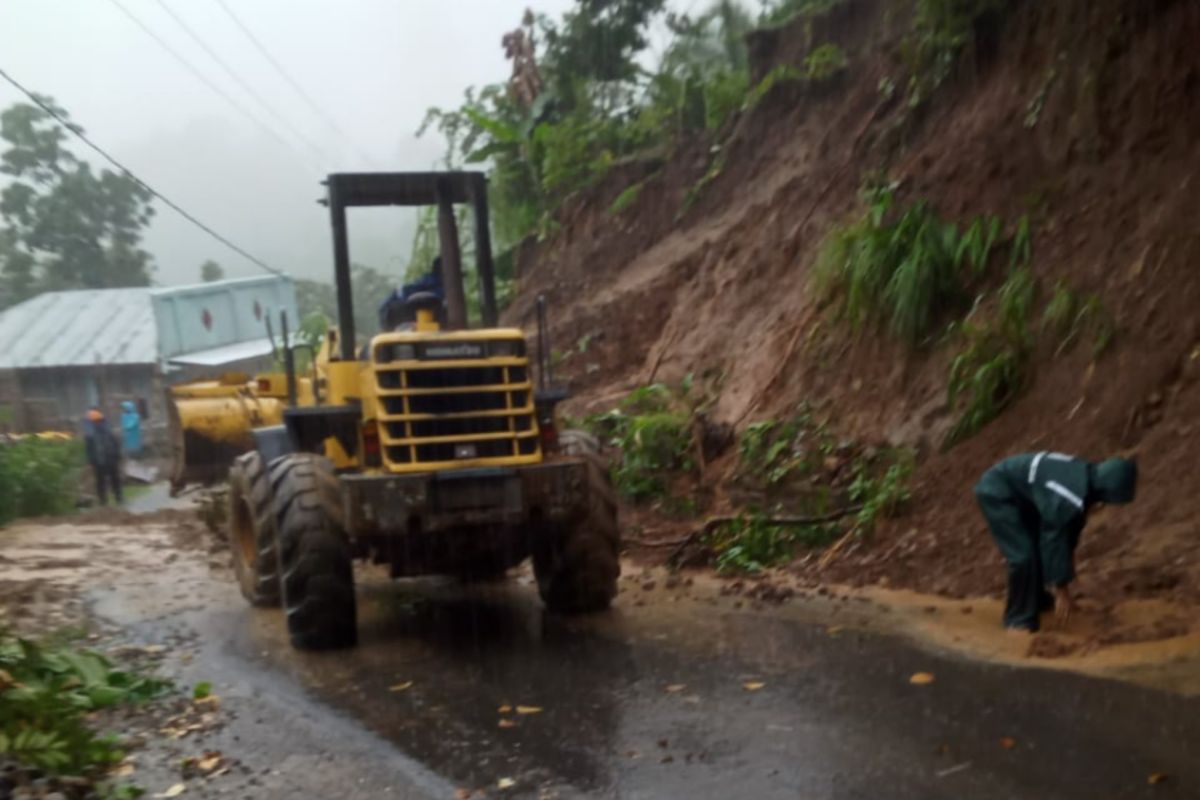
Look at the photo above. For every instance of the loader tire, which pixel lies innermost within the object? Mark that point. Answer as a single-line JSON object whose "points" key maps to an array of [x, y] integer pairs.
{"points": [[577, 566], [315, 560], [252, 531]]}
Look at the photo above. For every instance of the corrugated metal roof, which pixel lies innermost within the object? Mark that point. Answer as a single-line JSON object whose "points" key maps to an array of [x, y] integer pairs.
{"points": [[224, 355], [60, 329]]}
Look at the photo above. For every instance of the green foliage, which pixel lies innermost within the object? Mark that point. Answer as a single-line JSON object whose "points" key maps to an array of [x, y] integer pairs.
{"points": [[597, 103], [752, 543], [990, 371], [985, 377], [653, 430], [1022, 244], [942, 30], [211, 271], [824, 62], [778, 75], [882, 496], [370, 288], [715, 168], [903, 266], [65, 225], [38, 477], [46, 694], [202, 690], [779, 12], [1068, 317], [627, 198], [772, 451]]}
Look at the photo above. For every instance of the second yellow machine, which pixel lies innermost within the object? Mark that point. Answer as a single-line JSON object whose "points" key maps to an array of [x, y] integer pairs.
{"points": [[431, 449]]}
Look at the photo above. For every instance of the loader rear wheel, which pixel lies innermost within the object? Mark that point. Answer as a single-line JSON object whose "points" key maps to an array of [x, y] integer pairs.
{"points": [[577, 566], [316, 570], [252, 531]]}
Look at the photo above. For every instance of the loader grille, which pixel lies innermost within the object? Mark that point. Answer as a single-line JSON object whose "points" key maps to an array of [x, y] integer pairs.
{"points": [[446, 413]]}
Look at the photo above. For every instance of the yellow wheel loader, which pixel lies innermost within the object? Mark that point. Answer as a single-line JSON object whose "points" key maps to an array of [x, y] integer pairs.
{"points": [[430, 448]]}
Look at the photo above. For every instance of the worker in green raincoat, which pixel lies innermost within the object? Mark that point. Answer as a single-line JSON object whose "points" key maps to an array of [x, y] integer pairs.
{"points": [[1036, 505]]}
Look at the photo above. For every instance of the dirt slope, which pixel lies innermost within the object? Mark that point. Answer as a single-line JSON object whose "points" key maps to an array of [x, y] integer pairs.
{"points": [[1083, 115]]}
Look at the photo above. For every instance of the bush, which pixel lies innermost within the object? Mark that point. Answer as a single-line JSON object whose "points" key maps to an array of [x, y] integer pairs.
{"points": [[943, 29], [1068, 317], [47, 694], [825, 62], [653, 430], [882, 496], [773, 450], [38, 477], [751, 542], [990, 371], [903, 267]]}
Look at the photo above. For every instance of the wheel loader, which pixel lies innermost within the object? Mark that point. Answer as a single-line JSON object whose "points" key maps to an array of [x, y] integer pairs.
{"points": [[430, 449]]}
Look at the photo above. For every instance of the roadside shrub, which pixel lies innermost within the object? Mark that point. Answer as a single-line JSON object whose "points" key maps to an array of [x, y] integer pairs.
{"points": [[752, 543], [653, 430], [903, 267], [943, 28], [824, 62], [782, 11], [773, 450], [991, 370], [1069, 317], [38, 477], [882, 496], [47, 694]]}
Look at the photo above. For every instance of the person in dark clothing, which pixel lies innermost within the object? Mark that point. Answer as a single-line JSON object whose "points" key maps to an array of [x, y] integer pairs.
{"points": [[1036, 505], [395, 310], [104, 456]]}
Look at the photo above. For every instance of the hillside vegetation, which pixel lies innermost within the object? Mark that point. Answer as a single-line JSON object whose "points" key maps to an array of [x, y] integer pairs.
{"points": [[954, 229]]}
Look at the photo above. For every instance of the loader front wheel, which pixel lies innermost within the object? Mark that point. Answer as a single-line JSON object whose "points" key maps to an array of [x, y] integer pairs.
{"points": [[577, 566], [316, 569], [252, 531]]}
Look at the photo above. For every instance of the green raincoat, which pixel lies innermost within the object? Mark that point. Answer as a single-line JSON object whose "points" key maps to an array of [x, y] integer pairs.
{"points": [[1036, 505]]}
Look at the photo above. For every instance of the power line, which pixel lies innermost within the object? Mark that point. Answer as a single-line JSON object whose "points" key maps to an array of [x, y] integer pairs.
{"points": [[246, 87], [299, 89], [199, 75], [78, 132]]}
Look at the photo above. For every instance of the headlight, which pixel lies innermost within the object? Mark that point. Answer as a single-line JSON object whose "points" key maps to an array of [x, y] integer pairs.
{"points": [[507, 348]]}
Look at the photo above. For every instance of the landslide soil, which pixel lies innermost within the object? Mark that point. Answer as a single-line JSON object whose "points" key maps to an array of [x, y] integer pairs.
{"points": [[1081, 115]]}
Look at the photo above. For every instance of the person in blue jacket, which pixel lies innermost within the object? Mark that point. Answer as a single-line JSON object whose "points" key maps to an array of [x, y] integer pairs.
{"points": [[131, 429], [1036, 505], [395, 311]]}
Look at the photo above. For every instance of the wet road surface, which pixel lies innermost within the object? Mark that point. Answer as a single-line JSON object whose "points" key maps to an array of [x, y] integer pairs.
{"points": [[649, 701]]}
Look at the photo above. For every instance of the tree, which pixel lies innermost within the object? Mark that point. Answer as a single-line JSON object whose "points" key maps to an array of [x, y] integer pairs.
{"points": [[65, 225], [370, 288], [211, 271]]}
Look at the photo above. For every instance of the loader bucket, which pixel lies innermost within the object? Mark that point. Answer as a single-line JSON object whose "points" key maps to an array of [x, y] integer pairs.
{"points": [[208, 432]]}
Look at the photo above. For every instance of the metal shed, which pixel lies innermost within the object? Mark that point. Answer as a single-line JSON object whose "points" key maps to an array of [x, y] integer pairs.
{"points": [[61, 352]]}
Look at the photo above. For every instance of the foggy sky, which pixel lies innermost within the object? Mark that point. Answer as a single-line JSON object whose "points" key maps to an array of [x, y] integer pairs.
{"points": [[374, 65]]}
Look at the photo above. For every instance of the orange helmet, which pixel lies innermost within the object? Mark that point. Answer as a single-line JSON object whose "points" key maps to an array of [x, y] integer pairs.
{"points": [[95, 415]]}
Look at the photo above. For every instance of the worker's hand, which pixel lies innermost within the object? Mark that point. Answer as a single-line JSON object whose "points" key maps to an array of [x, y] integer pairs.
{"points": [[1063, 604]]}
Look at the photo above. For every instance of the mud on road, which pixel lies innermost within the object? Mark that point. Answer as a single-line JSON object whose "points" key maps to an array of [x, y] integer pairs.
{"points": [[682, 690]]}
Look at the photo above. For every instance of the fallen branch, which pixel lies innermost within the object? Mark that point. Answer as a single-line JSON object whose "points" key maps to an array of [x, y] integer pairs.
{"points": [[712, 523]]}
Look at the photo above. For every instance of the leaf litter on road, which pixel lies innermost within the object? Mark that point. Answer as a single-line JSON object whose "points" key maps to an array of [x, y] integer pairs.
{"points": [[529, 710], [401, 687], [753, 686], [921, 678]]}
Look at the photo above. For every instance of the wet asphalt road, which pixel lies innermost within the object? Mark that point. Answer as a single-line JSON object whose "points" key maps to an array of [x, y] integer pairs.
{"points": [[835, 718]]}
